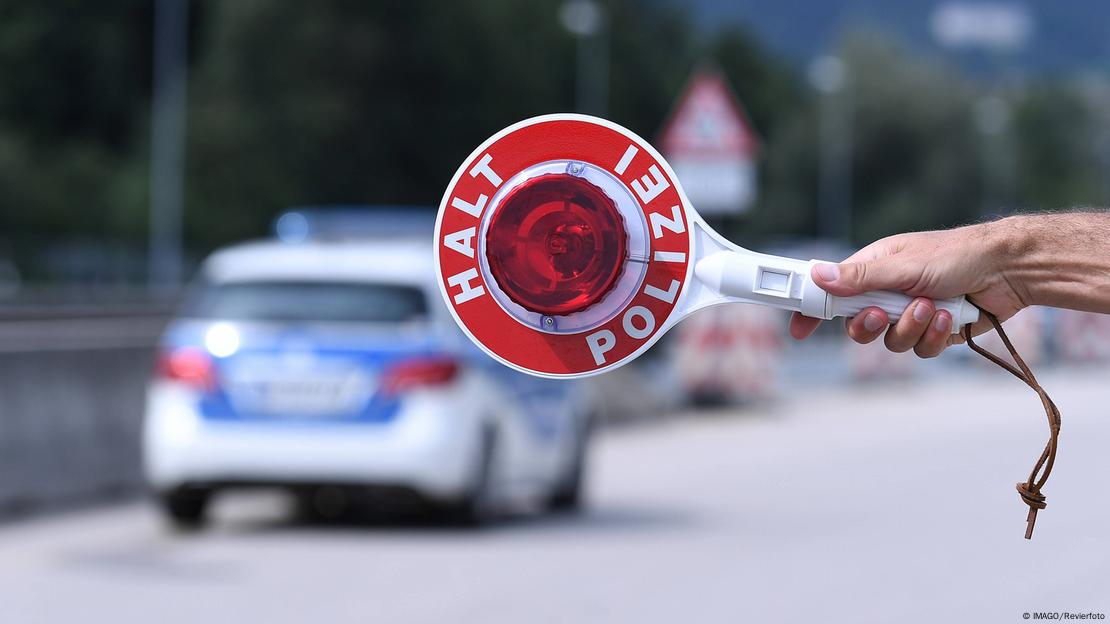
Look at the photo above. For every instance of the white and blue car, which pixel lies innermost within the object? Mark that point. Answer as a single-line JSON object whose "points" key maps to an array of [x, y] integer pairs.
{"points": [[333, 364]]}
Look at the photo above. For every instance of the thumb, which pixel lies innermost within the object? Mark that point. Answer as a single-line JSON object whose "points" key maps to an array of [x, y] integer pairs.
{"points": [[852, 278]]}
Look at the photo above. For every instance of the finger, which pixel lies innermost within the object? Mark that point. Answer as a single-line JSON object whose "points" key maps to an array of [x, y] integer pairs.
{"points": [[936, 336], [852, 278], [802, 326], [911, 327], [867, 325]]}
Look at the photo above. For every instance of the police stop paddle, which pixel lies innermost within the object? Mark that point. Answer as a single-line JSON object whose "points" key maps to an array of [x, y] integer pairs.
{"points": [[566, 247]]}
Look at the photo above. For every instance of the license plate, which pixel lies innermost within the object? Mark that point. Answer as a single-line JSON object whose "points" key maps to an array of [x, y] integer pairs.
{"points": [[304, 394]]}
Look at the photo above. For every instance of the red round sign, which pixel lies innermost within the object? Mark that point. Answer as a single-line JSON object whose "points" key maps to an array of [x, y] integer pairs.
{"points": [[653, 275]]}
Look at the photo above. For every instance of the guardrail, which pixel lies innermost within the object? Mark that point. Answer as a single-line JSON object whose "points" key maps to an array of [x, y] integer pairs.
{"points": [[72, 382]]}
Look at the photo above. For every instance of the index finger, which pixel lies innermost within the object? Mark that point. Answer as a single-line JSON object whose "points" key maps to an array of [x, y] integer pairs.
{"points": [[801, 327]]}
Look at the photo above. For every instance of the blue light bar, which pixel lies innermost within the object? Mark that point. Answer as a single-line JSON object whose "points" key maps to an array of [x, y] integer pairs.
{"points": [[354, 222]]}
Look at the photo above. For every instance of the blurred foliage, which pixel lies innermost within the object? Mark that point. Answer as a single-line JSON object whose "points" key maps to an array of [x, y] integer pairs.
{"points": [[1063, 145], [343, 101], [357, 102], [73, 96], [922, 157]]}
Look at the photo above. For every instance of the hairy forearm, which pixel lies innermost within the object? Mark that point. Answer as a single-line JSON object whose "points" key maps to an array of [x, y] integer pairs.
{"points": [[1060, 260]]}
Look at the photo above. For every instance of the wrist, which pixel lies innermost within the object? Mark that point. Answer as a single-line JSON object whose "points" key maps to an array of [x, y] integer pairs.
{"points": [[1017, 256], [1057, 259]]}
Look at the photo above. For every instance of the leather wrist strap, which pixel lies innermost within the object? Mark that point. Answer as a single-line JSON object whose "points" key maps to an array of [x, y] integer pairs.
{"points": [[1030, 490]]}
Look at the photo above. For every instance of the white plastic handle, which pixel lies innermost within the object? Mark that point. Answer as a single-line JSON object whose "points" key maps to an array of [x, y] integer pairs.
{"points": [[895, 303], [786, 283]]}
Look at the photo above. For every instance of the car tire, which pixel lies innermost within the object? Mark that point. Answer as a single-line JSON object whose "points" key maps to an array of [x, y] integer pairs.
{"points": [[476, 508], [321, 503], [568, 495], [185, 507]]}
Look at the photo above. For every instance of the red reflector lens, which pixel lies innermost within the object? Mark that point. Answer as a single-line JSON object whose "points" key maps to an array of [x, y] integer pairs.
{"points": [[428, 371], [557, 244], [188, 365]]}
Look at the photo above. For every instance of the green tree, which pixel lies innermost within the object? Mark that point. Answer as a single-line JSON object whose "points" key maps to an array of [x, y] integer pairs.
{"points": [[356, 102], [76, 77], [915, 159], [1061, 145]]}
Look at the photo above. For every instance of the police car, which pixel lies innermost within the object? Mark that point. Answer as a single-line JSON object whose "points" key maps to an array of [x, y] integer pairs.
{"points": [[333, 364]]}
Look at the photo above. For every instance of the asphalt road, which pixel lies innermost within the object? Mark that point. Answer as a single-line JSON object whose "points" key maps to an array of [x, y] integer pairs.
{"points": [[869, 504]]}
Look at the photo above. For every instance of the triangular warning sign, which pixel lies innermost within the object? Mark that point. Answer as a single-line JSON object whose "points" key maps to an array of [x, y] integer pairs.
{"points": [[710, 145], [708, 121]]}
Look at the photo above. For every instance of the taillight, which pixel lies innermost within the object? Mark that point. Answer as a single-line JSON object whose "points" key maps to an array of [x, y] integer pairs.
{"points": [[419, 372], [557, 244], [188, 365]]}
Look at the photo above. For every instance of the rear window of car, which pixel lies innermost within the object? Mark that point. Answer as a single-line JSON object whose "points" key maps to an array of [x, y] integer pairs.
{"points": [[308, 301]]}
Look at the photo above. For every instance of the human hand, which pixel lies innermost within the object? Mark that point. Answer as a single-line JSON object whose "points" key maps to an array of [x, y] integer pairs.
{"points": [[925, 265]]}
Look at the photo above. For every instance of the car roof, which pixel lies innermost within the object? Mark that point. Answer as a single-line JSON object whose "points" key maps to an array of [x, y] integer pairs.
{"points": [[405, 261]]}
